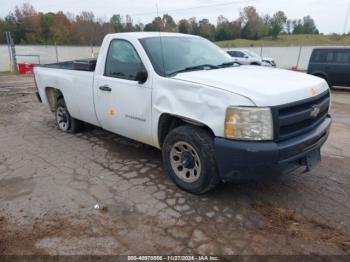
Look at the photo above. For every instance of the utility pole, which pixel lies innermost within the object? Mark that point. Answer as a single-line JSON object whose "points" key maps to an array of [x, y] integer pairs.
{"points": [[12, 52], [9, 48], [346, 23], [346, 19]]}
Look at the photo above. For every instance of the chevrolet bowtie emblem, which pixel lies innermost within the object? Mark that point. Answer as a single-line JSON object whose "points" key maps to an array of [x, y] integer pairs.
{"points": [[315, 111]]}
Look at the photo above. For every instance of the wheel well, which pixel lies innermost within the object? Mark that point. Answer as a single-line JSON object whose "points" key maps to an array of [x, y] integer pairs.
{"points": [[168, 122], [321, 75], [53, 94]]}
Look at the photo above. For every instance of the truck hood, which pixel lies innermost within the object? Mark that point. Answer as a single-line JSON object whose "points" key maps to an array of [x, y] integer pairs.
{"points": [[268, 59], [263, 86]]}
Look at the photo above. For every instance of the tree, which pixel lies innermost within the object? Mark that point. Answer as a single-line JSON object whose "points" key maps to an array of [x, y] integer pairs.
{"points": [[28, 25], [128, 27], [305, 26], [223, 29], [155, 26], [236, 27], [86, 28], [309, 26], [288, 25], [194, 28], [277, 23], [184, 26], [62, 31], [168, 24], [117, 23], [253, 26], [10, 24], [206, 29], [139, 27]]}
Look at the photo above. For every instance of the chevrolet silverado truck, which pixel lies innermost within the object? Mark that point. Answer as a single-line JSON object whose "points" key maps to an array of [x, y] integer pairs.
{"points": [[212, 119]]}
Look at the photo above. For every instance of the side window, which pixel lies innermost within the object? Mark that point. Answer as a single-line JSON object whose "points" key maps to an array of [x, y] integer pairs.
{"points": [[232, 53], [122, 60], [319, 56], [347, 57], [342, 57], [240, 54], [236, 54], [330, 57]]}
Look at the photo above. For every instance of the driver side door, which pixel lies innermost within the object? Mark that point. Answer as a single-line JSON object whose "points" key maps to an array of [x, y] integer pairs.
{"points": [[123, 104]]}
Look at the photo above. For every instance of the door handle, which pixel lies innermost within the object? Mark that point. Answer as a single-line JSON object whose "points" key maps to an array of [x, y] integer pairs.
{"points": [[105, 88]]}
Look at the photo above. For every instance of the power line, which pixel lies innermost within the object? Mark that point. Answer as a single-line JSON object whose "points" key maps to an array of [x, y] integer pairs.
{"points": [[195, 7]]}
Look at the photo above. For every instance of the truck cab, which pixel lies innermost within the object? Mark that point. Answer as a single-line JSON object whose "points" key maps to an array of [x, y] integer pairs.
{"points": [[213, 120]]}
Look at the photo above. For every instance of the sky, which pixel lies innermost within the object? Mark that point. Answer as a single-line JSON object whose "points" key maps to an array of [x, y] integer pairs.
{"points": [[329, 15]]}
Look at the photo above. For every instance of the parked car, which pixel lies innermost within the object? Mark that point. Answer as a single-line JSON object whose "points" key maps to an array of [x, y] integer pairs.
{"points": [[182, 94], [331, 64], [246, 57]]}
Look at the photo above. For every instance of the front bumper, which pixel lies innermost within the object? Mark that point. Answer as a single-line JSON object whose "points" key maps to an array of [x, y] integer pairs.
{"points": [[243, 160]]}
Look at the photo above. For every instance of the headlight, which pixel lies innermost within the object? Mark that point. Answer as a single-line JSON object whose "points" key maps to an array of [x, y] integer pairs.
{"points": [[250, 123]]}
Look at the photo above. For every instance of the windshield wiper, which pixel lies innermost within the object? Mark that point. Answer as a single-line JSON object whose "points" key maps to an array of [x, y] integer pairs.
{"points": [[193, 68]]}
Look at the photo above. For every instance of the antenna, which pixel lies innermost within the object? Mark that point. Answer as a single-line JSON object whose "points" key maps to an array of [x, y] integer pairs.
{"points": [[160, 37]]}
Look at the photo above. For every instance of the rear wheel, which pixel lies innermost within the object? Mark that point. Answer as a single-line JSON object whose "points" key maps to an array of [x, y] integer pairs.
{"points": [[64, 121], [188, 156]]}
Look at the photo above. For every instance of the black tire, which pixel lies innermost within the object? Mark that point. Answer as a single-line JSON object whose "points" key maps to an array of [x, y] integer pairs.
{"points": [[202, 143], [72, 125]]}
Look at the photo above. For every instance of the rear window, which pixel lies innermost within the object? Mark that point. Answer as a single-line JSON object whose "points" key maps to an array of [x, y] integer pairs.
{"points": [[331, 56]]}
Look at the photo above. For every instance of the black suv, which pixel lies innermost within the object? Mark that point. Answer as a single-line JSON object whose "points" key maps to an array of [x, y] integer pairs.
{"points": [[332, 64]]}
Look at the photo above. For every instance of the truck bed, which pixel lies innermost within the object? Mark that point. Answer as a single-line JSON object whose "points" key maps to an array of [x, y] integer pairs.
{"points": [[78, 65]]}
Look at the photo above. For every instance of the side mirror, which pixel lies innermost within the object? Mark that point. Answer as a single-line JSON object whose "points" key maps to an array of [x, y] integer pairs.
{"points": [[245, 56], [141, 76]]}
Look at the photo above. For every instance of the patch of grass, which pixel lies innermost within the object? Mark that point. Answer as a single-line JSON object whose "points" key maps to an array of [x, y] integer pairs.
{"points": [[5, 73], [289, 40]]}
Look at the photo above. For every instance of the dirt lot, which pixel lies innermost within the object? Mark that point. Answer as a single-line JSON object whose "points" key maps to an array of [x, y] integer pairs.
{"points": [[50, 183]]}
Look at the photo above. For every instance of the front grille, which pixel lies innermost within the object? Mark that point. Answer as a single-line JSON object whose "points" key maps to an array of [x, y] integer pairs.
{"points": [[297, 118]]}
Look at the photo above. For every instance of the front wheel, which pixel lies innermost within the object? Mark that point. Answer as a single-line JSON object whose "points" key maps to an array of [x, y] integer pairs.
{"points": [[188, 157]]}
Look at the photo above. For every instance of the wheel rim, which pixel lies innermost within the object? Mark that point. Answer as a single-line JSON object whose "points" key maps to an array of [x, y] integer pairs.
{"points": [[62, 118], [185, 162]]}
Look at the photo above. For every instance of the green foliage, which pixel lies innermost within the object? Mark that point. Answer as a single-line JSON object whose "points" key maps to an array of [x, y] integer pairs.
{"points": [[206, 29], [184, 26], [27, 26], [155, 26], [277, 23], [253, 25], [305, 26]]}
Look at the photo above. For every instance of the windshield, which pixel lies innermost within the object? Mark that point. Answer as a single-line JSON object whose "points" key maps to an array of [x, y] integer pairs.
{"points": [[252, 54], [181, 53]]}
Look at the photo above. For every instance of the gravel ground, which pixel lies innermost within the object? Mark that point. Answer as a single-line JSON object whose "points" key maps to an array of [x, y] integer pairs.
{"points": [[52, 182]]}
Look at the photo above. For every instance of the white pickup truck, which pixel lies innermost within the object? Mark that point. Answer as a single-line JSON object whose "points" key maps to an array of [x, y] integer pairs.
{"points": [[213, 120]]}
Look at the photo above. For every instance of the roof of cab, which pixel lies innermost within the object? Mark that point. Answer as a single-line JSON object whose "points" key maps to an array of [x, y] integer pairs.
{"points": [[140, 35], [331, 49]]}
